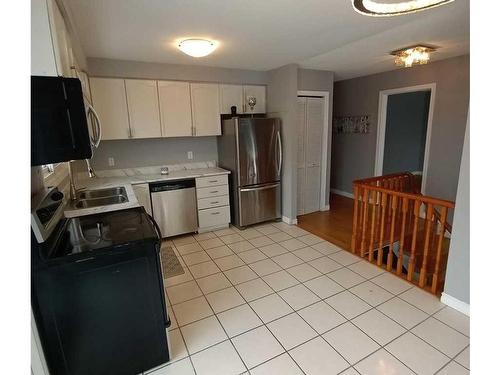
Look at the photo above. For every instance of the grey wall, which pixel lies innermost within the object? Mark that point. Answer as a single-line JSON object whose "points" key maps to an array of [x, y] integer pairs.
{"points": [[320, 80], [354, 154], [157, 151], [136, 69], [144, 152], [405, 132], [457, 283], [282, 102]]}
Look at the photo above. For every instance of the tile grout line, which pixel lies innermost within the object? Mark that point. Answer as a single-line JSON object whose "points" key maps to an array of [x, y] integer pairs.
{"points": [[303, 283]]}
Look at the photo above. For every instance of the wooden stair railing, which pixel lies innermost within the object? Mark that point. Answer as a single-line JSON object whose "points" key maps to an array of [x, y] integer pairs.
{"points": [[401, 230]]}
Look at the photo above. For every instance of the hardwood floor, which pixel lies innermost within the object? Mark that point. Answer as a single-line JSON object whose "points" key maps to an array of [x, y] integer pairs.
{"points": [[334, 225]]}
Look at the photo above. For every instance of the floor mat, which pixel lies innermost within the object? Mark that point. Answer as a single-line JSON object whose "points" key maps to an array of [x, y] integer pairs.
{"points": [[169, 263]]}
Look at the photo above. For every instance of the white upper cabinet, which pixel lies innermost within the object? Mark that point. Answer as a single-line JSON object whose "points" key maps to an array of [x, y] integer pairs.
{"points": [[110, 102], [205, 109], [231, 95], [175, 109], [143, 108], [43, 62], [260, 94], [62, 46]]}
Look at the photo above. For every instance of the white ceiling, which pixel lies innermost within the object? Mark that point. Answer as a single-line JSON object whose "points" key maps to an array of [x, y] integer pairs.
{"points": [[265, 34]]}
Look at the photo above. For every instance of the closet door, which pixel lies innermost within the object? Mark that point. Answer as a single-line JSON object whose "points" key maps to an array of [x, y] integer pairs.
{"points": [[301, 172], [175, 109], [313, 152], [110, 102], [143, 108]]}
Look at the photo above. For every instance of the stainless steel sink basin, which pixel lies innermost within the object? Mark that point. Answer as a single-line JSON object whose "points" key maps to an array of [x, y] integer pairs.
{"points": [[102, 193], [101, 197], [105, 201]]}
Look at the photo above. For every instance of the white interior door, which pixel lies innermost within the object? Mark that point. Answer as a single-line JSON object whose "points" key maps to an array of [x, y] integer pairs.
{"points": [[301, 157], [310, 112]]}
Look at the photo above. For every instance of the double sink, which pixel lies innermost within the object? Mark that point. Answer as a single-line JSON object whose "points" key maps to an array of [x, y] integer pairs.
{"points": [[100, 197]]}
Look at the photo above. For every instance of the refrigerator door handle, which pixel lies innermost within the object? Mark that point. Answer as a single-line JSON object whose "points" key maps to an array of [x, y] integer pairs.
{"points": [[272, 186], [280, 153]]}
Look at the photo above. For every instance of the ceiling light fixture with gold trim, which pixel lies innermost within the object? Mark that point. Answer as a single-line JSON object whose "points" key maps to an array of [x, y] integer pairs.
{"points": [[414, 55], [387, 8]]}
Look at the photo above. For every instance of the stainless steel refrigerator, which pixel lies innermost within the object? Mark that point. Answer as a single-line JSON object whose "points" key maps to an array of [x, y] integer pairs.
{"points": [[251, 149]]}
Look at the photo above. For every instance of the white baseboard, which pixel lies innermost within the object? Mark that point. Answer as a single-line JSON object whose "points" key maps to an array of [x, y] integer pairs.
{"points": [[343, 193], [325, 208], [289, 221], [455, 303]]}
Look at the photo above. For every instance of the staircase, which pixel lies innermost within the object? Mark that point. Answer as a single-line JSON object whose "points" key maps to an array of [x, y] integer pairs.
{"points": [[401, 230]]}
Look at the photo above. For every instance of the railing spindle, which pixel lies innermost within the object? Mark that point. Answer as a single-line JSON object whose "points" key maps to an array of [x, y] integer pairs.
{"points": [[394, 207], [428, 222], [372, 231], [355, 220], [380, 254], [401, 252], [366, 197], [411, 263], [435, 276]]}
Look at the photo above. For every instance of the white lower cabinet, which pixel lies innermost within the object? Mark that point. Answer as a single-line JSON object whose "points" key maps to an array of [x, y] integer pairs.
{"points": [[213, 203], [141, 192]]}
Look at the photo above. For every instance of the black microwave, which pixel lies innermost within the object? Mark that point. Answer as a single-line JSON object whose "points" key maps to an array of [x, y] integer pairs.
{"points": [[59, 130]]}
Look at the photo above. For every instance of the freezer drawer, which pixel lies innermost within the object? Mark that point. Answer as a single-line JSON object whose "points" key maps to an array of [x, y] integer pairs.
{"points": [[259, 203]]}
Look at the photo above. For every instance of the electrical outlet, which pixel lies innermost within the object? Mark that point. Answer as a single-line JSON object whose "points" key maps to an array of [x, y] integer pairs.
{"points": [[190, 155], [111, 162]]}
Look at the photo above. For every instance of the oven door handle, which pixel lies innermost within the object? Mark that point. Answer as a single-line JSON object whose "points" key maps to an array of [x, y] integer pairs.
{"points": [[166, 317], [157, 227]]}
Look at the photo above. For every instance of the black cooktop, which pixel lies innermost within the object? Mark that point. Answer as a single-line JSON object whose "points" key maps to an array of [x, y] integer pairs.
{"points": [[100, 231]]}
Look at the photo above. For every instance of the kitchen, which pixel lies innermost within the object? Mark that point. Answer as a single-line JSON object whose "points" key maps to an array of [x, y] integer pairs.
{"points": [[165, 190]]}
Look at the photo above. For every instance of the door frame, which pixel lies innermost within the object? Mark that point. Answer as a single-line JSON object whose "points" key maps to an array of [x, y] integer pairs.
{"points": [[382, 121], [324, 202]]}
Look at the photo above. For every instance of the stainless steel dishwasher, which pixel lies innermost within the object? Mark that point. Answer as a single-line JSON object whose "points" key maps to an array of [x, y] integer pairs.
{"points": [[174, 206]]}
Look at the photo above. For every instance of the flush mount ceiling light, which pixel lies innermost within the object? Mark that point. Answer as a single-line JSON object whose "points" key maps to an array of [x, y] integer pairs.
{"points": [[415, 55], [385, 8], [197, 47]]}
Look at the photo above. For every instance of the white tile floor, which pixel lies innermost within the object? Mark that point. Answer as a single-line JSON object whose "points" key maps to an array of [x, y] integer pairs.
{"points": [[275, 299]]}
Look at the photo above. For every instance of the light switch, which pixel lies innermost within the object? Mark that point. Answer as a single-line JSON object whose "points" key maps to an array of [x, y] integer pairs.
{"points": [[111, 162], [190, 155]]}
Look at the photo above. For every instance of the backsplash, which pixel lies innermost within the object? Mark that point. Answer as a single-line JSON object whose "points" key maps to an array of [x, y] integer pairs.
{"points": [[149, 170], [136, 153]]}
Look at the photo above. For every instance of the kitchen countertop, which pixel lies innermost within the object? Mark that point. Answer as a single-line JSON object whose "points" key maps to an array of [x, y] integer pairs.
{"points": [[70, 211], [127, 181], [101, 182]]}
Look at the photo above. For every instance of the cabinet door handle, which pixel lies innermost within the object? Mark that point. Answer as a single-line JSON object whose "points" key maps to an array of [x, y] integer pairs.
{"points": [[216, 213], [214, 192], [214, 202], [213, 181]]}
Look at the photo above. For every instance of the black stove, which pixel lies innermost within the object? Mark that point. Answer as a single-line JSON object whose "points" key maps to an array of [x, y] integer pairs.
{"points": [[97, 291]]}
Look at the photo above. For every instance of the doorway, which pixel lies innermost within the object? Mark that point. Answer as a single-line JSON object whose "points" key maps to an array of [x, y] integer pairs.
{"points": [[312, 112], [404, 131]]}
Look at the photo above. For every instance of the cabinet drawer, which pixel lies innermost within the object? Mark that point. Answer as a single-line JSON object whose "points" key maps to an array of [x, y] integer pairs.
{"points": [[211, 181], [215, 191], [213, 202], [212, 217]]}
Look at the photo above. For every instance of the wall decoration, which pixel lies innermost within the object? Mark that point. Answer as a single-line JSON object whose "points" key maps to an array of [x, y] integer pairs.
{"points": [[351, 124]]}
